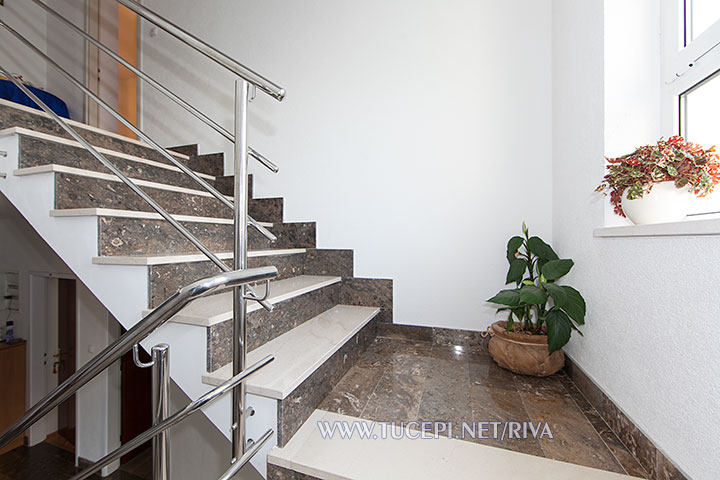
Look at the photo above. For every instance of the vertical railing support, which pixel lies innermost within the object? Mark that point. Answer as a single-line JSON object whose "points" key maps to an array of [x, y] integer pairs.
{"points": [[161, 410], [160, 364], [242, 94]]}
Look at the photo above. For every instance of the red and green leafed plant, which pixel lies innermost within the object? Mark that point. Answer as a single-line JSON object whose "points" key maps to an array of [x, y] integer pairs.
{"points": [[685, 163]]}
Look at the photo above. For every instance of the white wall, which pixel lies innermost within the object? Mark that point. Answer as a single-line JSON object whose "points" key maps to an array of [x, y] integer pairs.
{"points": [[416, 133], [645, 295], [31, 22]]}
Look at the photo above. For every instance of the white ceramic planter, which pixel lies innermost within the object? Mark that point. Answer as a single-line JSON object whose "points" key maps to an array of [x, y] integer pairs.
{"points": [[665, 203]]}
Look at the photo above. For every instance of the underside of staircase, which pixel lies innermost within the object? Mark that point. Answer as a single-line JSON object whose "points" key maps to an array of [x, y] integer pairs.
{"points": [[132, 260]]}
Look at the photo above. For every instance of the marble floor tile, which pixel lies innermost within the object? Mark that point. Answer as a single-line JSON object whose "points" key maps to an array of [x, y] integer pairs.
{"points": [[396, 399], [574, 438], [413, 381], [351, 394]]}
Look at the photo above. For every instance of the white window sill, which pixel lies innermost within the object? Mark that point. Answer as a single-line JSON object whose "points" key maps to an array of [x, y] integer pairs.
{"points": [[688, 227]]}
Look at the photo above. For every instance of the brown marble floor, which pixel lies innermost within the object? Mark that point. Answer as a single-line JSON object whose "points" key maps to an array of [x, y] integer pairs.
{"points": [[404, 381], [47, 462]]}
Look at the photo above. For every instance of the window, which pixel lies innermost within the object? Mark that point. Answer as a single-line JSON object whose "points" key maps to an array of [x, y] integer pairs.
{"points": [[691, 76]]}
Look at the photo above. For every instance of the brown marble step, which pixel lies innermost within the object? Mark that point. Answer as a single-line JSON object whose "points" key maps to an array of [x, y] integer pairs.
{"points": [[266, 209], [133, 236], [14, 115], [75, 189], [211, 163], [226, 185], [375, 293], [166, 279], [36, 151]]}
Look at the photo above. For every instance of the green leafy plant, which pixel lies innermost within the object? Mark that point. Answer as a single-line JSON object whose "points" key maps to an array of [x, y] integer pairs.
{"points": [[538, 305]]}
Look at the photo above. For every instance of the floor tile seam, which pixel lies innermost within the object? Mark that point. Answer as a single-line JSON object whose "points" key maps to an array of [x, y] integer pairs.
{"points": [[527, 414], [608, 427]]}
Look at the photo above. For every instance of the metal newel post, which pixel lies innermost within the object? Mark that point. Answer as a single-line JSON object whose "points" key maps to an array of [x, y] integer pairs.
{"points": [[161, 404], [242, 94]]}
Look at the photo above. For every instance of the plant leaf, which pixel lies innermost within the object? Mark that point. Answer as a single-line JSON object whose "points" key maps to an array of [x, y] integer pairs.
{"points": [[557, 293], [513, 246], [510, 298], [555, 269], [559, 328], [516, 271], [541, 249], [575, 305], [532, 295]]}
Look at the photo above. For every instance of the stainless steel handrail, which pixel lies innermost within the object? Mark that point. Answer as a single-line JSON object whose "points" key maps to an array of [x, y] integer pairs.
{"points": [[162, 151], [177, 417], [125, 343], [101, 158], [209, 51], [156, 84]]}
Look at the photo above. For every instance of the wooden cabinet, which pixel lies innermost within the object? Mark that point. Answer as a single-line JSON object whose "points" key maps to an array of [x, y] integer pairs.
{"points": [[12, 388]]}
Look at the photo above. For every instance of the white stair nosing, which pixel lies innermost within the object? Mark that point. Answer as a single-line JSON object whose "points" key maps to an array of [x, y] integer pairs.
{"points": [[312, 283], [280, 378], [105, 151], [404, 453], [189, 258], [74, 123], [111, 212]]}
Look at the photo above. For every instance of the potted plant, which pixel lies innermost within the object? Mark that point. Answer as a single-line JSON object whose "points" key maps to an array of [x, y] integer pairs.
{"points": [[673, 170], [541, 313]]}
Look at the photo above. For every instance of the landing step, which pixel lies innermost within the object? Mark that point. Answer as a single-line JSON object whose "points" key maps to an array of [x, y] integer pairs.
{"points": [[299, 352], [198, 257], [400, 456], [115, 213], [208, 311]]}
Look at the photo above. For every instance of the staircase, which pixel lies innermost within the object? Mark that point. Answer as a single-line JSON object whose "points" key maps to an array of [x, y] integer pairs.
{"points": [[132, 260]]}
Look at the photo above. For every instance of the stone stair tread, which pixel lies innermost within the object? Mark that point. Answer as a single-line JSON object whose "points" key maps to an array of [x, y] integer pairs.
{"points": [[105, 151], [147, 260], [299, 352], [53, 168], [112, 212], [83, 126], [337, 458], [208, 311]]}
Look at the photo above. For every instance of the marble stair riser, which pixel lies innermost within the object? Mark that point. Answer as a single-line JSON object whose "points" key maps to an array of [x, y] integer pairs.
{"points": [[279, 473], [75, 191], [132, 236], [226, 185], [35, 152], [369, 292], [167, 279], [13, 117], [266, 209], [297, 407], [264, 326], [211, 163]]}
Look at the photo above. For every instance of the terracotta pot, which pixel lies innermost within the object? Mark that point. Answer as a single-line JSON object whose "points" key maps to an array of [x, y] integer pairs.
{"points": [[522, 353]]}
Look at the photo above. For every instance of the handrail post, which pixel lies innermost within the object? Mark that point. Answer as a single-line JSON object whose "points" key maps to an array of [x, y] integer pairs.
{"points": [[161, 409], [242, 94]]}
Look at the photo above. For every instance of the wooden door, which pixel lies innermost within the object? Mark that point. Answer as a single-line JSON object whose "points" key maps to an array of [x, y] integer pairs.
{"points": [[67, 331]]}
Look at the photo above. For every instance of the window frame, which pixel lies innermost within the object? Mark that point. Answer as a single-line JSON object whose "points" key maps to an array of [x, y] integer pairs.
{"points": [[685, 66]]}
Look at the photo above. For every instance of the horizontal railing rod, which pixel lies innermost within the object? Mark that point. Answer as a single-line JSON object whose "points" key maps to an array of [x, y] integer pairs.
{"points": [[130, 184], [159, 86], [174, 419], [247, 456], [212, 53], [203, 183], [125, 343]]}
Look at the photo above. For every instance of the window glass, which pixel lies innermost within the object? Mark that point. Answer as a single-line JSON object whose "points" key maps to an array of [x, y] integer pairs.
{"points": [[699, 16], [700, 115]]}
